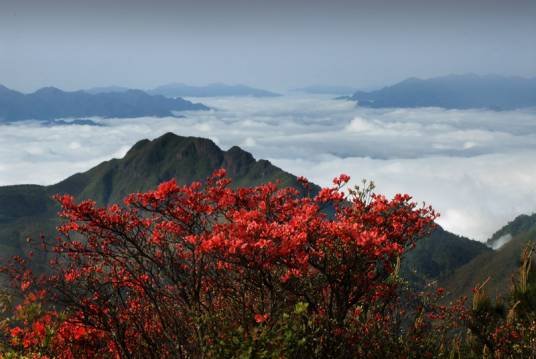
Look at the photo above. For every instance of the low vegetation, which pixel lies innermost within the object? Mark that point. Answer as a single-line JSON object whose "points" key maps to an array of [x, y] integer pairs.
{"points": [[207, 271]]}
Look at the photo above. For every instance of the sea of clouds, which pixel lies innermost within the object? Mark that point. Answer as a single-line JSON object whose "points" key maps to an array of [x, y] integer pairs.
{"points": [[477, 167]]}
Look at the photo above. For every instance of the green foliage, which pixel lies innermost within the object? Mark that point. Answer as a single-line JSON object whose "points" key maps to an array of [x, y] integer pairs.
{"points": [[293, 335], [490, 328], [28, 210]]}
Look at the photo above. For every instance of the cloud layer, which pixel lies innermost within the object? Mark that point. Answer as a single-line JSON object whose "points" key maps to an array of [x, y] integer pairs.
{"points": [[476, 167]]}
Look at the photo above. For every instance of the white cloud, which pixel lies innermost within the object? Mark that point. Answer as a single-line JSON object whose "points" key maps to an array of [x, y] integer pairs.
{"points": [[502, 240], [249, 142], [75, 145], [476, 167], [359, 124], [475, 195]]}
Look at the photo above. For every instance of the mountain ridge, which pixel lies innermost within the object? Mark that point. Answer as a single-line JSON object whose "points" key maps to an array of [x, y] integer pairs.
{"points": [[211, 90], [51, 103], [326, 89], [497, 267], [462, 91], [28, 211], [518, 225]]}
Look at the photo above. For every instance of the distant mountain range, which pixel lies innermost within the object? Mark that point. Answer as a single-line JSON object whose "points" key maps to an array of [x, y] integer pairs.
{"points": [[211, 90], [28, 211], [50, 103], [327, 90], [106, 89], [182, 90], [454, 92]]}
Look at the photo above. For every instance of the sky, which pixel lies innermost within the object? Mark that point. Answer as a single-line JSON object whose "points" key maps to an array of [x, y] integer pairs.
{"points": [[276, 44], [475, 167]]}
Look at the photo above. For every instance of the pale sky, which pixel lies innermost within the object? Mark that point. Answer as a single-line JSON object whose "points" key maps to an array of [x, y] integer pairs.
{"points": [[276, 44]]}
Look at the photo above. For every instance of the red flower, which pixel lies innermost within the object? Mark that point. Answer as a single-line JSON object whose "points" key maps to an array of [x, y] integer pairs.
{"points": [[16, 332], [261, 318], [132, 277], [25, 285]]}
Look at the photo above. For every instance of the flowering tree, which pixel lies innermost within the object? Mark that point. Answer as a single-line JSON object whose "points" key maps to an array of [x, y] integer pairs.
{"points": [[204, 270]]}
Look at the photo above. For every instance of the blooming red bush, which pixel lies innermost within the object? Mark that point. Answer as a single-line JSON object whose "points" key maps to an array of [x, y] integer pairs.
{"points": [[182, 270]]}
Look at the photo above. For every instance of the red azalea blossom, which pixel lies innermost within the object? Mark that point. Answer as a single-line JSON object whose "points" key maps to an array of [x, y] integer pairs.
{"points": [[261, 318], [178, 265]]}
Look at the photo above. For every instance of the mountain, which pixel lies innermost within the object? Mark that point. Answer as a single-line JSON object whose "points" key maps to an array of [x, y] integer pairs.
{"points": [[186, 159], [327, 90], [50, 103], [519, 225], [212, 90], [454, 92], [438, 256], [106, 89], [28, 211], [499, 265]]}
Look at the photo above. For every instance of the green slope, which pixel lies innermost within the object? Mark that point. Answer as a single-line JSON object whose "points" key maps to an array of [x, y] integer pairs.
{"points": [[186, 159], [519, 225], [28, 210], [439, 255], [498, 265]]}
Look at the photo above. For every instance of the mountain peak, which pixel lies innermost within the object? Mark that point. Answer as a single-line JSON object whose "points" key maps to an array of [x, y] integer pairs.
{"points": [[237, 151], [171, 148], [186, 159], [211, 90], [455, 91], [6, 92], [237, 161], [520, 224], [171, 141], [48, 91], [170, 137]]}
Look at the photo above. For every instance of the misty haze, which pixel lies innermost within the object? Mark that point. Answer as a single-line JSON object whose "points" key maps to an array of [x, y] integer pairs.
{"points": [[105, 101]]}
